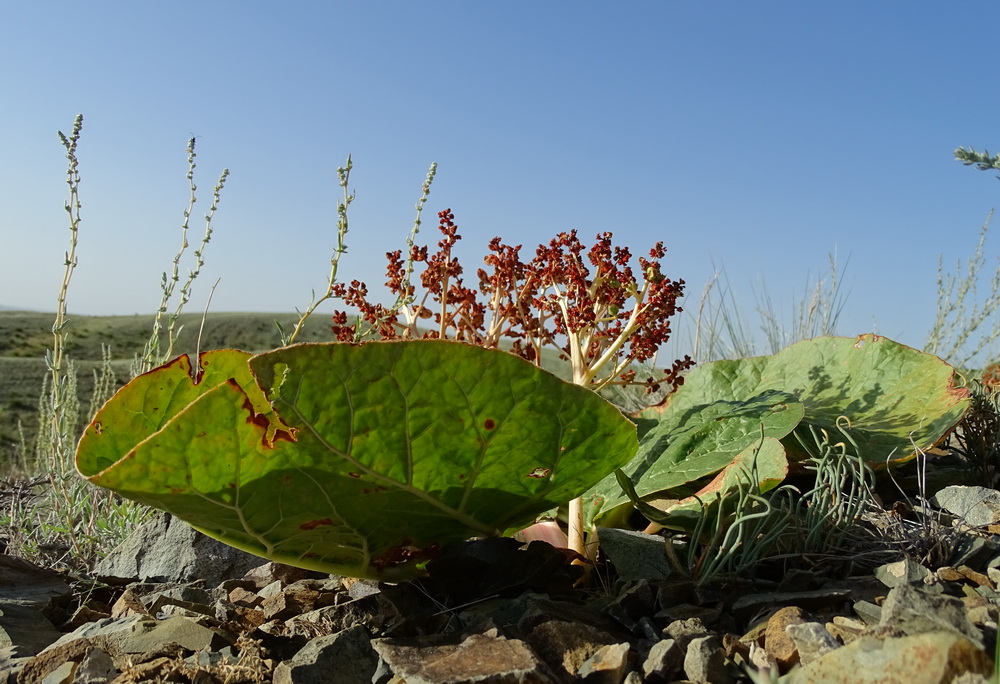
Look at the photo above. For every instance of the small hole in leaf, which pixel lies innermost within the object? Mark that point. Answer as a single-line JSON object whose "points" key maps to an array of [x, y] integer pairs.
{"points": [[354, 475], [539, 473]]}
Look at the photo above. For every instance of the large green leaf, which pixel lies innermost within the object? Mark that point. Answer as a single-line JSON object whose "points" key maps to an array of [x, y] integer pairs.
{"points": [[891, 399], [387, 451], [678, 447]]}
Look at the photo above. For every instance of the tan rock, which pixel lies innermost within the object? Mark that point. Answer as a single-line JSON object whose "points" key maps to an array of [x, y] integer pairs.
{"points": [[128, 604], [777, 642]]}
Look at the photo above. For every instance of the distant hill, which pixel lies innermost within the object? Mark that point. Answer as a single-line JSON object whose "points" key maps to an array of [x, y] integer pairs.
{"points": [[26, 336]]}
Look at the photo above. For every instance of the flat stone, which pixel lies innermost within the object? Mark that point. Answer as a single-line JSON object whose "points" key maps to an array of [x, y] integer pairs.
{"points": [[478, 659], [930, 658], [635, 555], [25, 629], [179, 630]]}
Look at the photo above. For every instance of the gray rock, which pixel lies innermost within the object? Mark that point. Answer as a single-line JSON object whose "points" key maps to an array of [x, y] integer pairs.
{"points": [[705, 663], [635, 555], [975, 506], [25, 630], [179, 630], [108, 634], [25, 584], [664, 661], [64, 674], [685, 631], [901, 572], [96, 667], [633, 604], [868, 611], [915, 611], [37, 669], [812, 640], [169, 550], [346, 657], [931, 658], [478, 659]]}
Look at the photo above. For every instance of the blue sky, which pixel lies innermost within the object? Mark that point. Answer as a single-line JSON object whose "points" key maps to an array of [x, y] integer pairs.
{"points": [[758, 137]]}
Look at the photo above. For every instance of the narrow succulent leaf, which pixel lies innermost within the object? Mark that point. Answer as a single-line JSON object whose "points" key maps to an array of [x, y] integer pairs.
{"points": [[762, 466], [681, 446]]}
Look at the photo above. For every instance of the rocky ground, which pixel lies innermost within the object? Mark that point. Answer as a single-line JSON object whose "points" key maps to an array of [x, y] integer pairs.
{"points": [[172, 605]]}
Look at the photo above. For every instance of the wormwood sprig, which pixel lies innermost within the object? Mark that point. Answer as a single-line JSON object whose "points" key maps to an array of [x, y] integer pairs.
{"points": [[960, 315], [57, 517], [343, 179], [152, 355]]}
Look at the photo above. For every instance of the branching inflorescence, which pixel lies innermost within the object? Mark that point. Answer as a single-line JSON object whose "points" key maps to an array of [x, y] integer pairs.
{"points": [[587, 304]]}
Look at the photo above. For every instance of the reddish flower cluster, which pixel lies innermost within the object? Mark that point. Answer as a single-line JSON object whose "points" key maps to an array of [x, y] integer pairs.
{"points": [[588, 304]]}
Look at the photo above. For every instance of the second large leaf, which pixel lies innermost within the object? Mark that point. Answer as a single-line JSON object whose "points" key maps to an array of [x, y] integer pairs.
{"points": [[397, 448], [894, 400]]}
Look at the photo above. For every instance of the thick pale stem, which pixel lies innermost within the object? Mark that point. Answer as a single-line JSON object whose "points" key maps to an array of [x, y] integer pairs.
{"points": [[574, 532]]}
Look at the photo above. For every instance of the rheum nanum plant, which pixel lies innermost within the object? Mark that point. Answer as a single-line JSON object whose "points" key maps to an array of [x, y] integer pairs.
{"points": [[366, 459], [586, 303], [602, 321]]}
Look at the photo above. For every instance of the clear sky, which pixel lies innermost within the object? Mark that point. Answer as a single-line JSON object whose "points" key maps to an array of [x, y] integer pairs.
{"points": [[758, 137]]}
